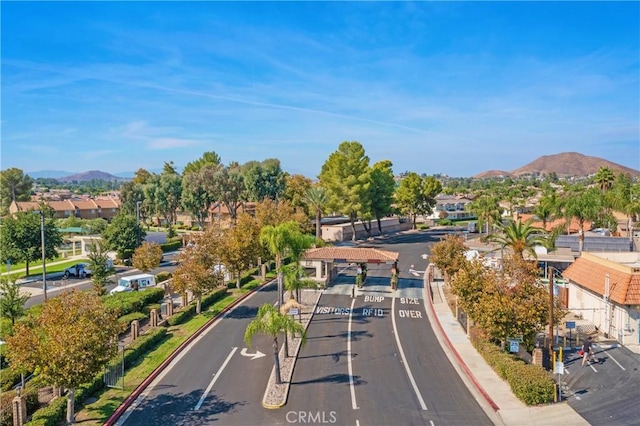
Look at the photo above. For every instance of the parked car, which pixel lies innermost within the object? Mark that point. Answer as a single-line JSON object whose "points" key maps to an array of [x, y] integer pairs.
{"points": [[134, 283], [79, 270], [82, 270]]}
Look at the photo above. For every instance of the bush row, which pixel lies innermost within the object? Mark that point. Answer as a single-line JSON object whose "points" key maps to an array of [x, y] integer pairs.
{"points": [[530, 383], [126, 302], [163, 276], [171, 246], [207, 300], [125, 320]]}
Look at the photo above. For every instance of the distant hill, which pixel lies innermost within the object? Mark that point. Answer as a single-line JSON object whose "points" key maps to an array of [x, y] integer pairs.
{"points": [[493, 174], [90, 175], [564, 164], [48, 174]]}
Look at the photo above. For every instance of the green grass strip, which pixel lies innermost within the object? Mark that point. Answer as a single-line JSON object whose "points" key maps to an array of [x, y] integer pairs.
{"points": [[97, 412]]}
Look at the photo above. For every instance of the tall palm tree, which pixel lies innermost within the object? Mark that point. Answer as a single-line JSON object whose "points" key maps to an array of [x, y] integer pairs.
{"points": [[271, 322], [584, 206], [519, 237], [317, 200], [604, 178], [278, 239], [548, 208], [486, 209]]}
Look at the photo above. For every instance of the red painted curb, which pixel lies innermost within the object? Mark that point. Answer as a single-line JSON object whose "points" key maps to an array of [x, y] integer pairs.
{"points": [[142, 386], [458, 357]]}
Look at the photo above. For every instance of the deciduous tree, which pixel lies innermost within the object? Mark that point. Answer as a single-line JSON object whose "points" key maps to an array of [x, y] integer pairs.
{"points": [[101, 266], [12, 300], [240, 245], [147, 257], [14, 186], [416, 195], [68, 343], [123, 235], [20, 238]]}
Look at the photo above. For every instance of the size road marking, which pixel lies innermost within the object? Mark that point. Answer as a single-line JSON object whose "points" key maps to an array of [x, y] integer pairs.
{"points": [[404, 359]]}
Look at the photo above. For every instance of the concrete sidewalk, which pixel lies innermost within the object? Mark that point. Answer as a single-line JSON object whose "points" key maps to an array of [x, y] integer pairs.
{"points": [[493, 393]]}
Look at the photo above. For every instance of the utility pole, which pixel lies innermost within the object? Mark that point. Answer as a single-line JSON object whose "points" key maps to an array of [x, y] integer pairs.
{"points": [[550, 312], [44, 254]]}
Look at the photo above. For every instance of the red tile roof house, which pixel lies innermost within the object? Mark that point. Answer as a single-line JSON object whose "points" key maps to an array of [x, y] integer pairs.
{"points": [[84, 208], [605, 289]]}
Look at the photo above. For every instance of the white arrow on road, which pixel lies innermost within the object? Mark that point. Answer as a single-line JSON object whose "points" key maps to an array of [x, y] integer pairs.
{"points": [[258, 354]]}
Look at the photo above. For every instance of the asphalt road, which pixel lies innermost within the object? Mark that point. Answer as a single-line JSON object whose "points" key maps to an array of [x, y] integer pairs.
{"points": [[213, 381], [398, 375], [56, 284]]}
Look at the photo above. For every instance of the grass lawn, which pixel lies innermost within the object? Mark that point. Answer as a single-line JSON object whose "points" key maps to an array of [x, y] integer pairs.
{"points": [[96, 413], [37, 269]]}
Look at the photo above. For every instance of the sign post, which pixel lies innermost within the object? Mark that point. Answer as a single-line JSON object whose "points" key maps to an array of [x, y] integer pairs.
{"points": [[570, 325]]}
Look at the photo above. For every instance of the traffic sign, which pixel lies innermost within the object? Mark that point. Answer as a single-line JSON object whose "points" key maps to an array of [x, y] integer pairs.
{"points": [[293, 311], [570, 324], [514, 346], [559, 368]]}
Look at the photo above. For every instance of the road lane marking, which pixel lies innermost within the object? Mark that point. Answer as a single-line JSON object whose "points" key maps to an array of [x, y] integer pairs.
{"points": [[354, 405], [404, 359], [215, 377], [614, 360]]}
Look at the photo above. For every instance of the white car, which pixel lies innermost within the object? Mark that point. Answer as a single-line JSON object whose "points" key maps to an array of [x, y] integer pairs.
{"points": [[79, 270]]}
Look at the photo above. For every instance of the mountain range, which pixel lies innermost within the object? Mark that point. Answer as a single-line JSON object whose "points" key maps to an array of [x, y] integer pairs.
{"points": [[563, 164]]}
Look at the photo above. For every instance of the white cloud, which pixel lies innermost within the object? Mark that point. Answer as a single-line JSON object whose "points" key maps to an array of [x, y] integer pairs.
{"points": [[169, 143]]}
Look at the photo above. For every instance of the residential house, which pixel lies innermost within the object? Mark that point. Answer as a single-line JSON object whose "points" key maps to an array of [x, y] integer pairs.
{"points": [[83, 208], [604, 288], [452, 207]]}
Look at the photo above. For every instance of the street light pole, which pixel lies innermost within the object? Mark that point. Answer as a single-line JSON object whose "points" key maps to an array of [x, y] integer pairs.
{"points": [[138, 212], [550, 312], [44, 256]]}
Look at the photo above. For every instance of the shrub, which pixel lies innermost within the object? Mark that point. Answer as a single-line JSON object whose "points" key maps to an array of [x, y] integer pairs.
{"points": [[8, 378], [145, 343], [207, 300], [530, 383], [171, 246], [125, 320], [163, 276], [126, 302], [50, 415], [252, 284]]}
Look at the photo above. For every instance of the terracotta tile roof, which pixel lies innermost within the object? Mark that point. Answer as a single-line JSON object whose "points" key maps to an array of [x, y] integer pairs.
{"points": [[574, 227], [351, 254], [107, 203], [589, 272]]}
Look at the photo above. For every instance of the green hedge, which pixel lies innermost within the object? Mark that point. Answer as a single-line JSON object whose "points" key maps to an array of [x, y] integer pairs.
{"points": [[207, 300], [143, 344], [252, 284], [530, 383], [171, 246], [50, 415], [131, 301], [125, 320], [163, 276], [8, 378]]}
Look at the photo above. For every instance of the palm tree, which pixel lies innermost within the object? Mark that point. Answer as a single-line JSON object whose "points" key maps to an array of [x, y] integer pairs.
{"points": [[270, 322], [519, 237], [486, 209], [584, 206], [604, 178], [278, 239], [547, 208], [317, 199]]}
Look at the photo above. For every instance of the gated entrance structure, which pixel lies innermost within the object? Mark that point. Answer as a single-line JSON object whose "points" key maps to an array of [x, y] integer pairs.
{"points": [[325, 261]]}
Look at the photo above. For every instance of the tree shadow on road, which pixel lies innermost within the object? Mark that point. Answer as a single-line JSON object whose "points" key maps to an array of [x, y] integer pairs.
{"points": [[333, 378]]}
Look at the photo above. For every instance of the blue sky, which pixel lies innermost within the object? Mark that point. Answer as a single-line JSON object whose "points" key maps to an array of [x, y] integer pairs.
{"points": [[435, 87]]}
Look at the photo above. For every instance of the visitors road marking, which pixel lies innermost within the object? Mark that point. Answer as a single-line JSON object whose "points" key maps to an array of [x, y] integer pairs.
{"points": [[215, 377], [404, 359], [333, 310]]}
